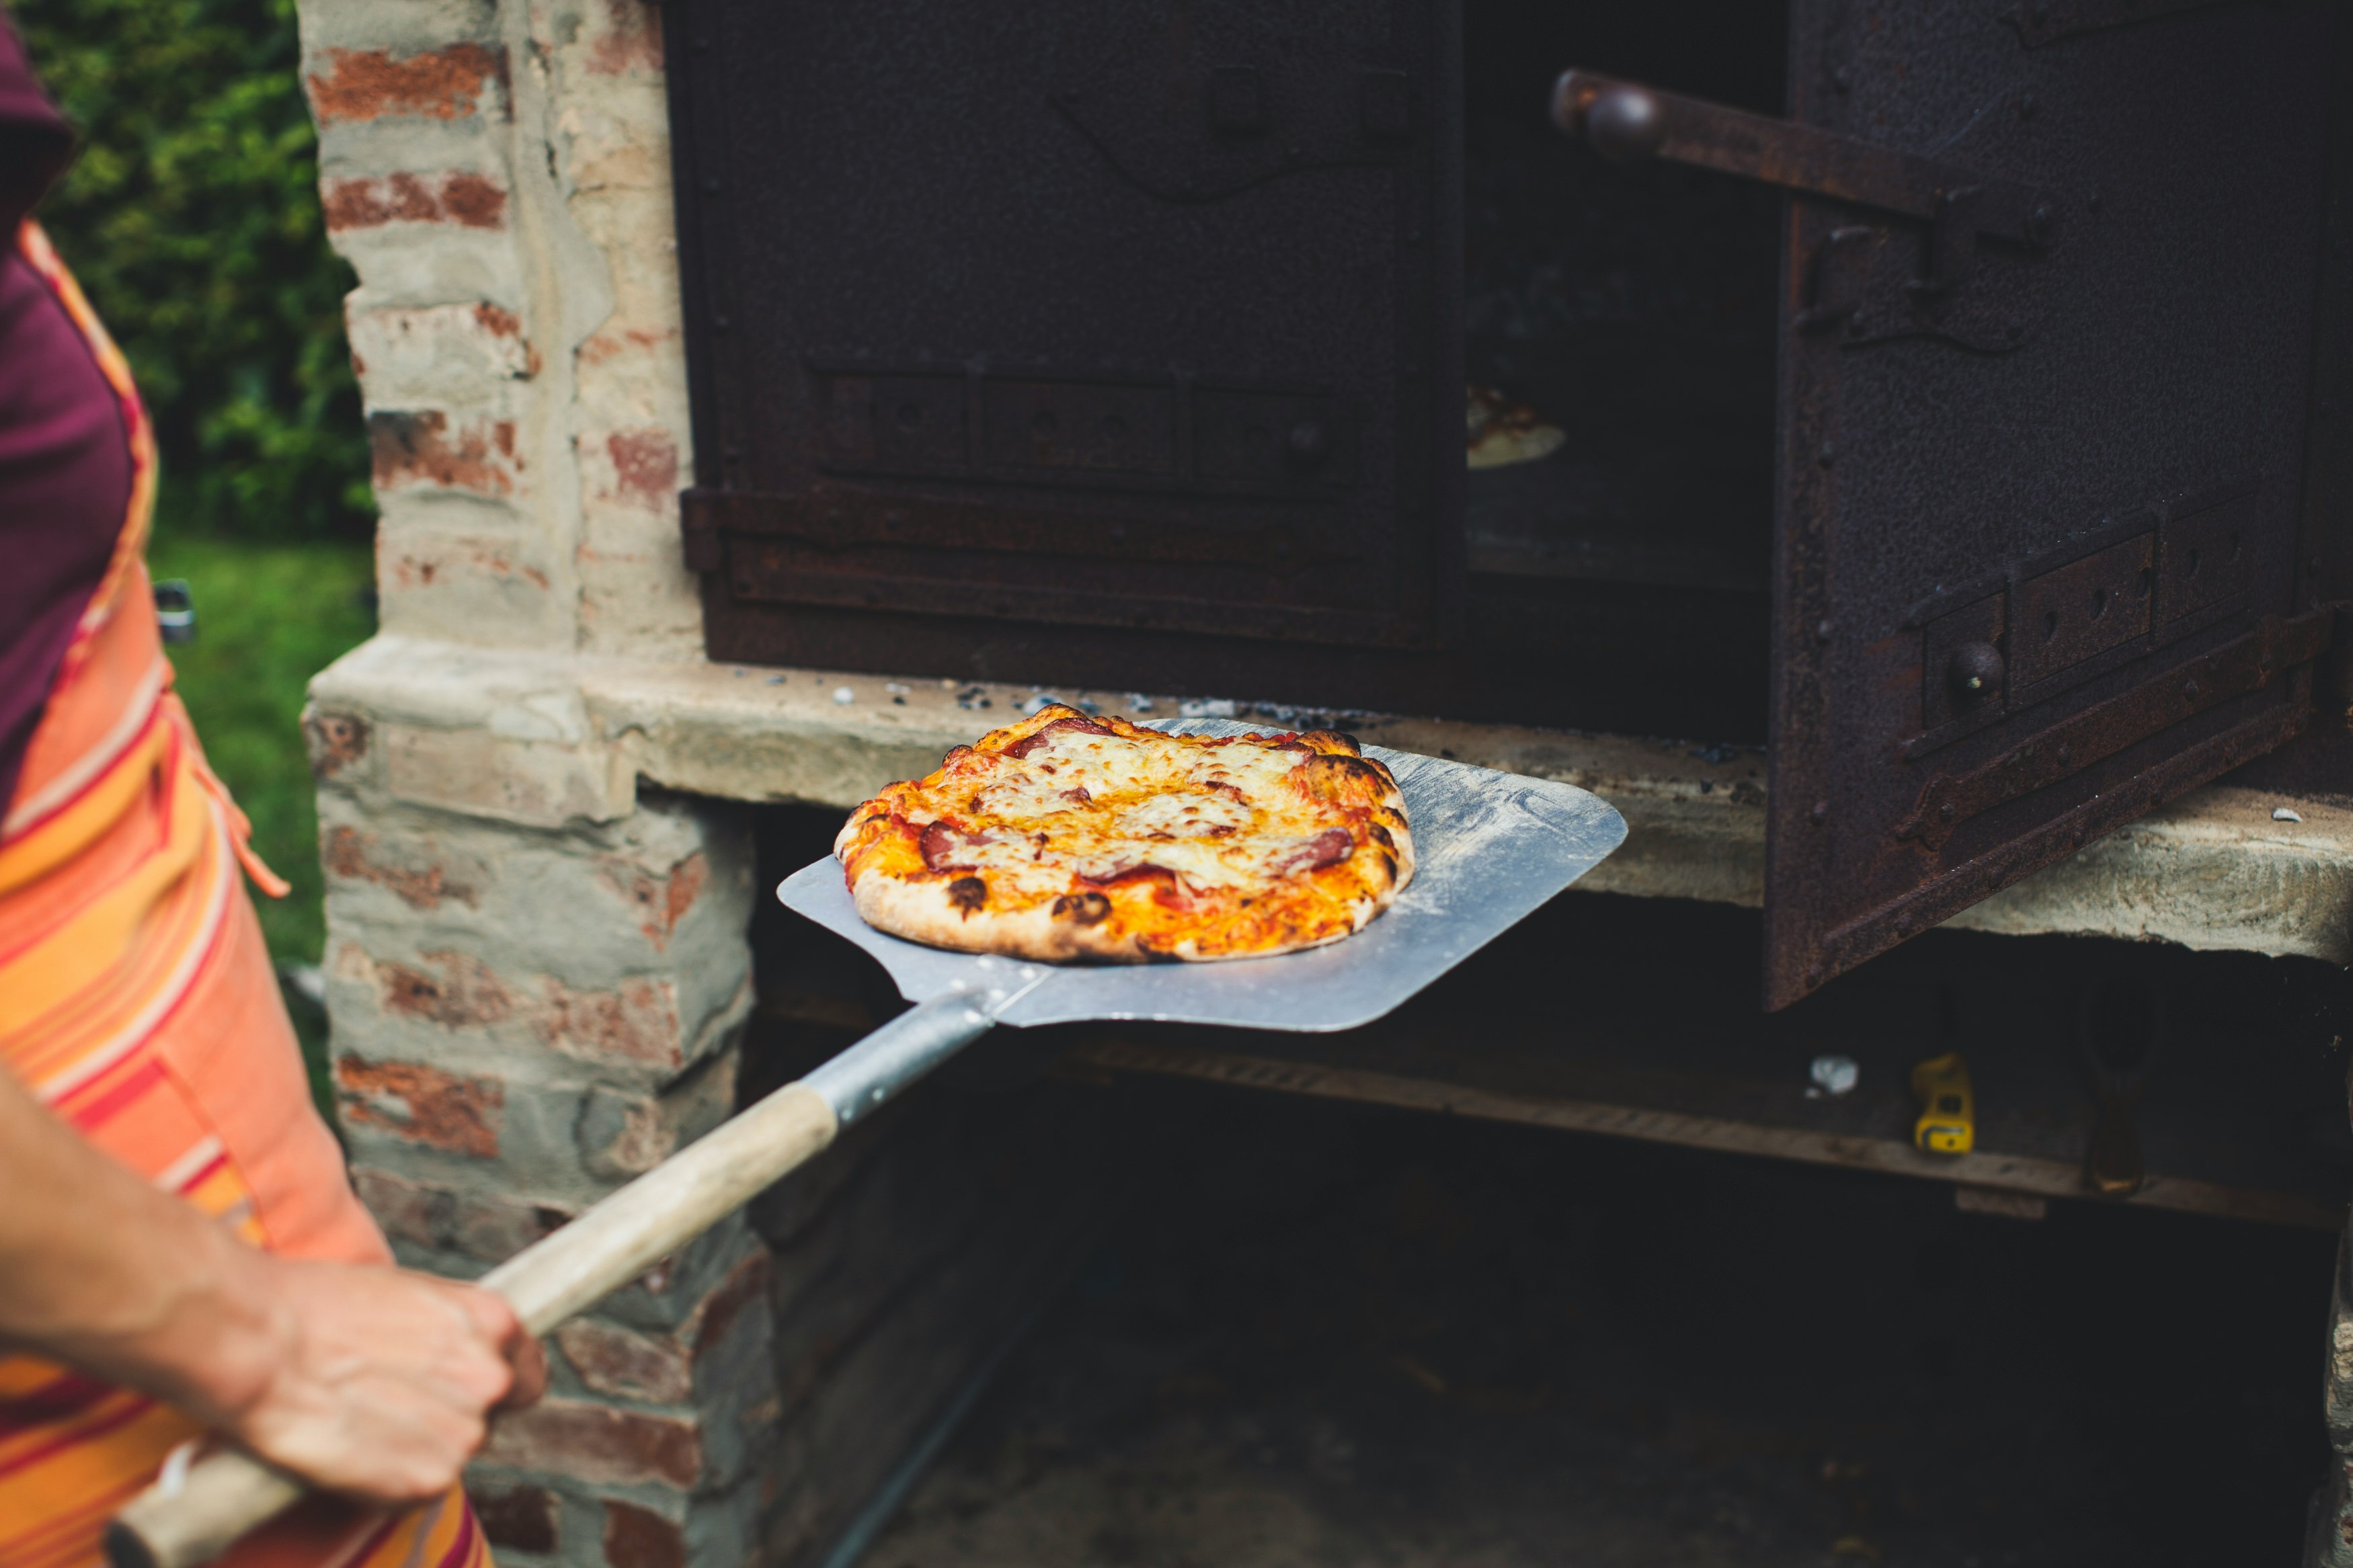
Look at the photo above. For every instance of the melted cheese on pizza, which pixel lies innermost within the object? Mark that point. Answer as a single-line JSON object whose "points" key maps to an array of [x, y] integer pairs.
{"points": [[1101, 806], [1066, 835]]}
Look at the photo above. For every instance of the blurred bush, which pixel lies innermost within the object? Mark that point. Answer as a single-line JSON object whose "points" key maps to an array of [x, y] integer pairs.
{"points": [[191, 216]]}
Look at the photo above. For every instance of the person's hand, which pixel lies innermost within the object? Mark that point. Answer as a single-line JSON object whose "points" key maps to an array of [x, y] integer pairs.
{"points": [[384, 1380], [358, 1378]]}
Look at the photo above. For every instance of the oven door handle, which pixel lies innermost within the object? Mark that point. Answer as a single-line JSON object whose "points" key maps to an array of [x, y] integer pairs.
{"points": [[1626, 121]]}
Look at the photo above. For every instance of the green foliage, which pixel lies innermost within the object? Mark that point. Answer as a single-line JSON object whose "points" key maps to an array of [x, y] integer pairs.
{"points": [[192, 219], [269, 616]]}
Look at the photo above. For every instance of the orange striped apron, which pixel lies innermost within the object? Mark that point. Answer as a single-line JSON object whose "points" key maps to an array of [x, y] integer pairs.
{"points": [[138, 1002]]}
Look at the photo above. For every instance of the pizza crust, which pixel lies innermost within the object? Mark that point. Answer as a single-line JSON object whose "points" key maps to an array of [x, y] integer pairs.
{"points": [[1065, 838]]}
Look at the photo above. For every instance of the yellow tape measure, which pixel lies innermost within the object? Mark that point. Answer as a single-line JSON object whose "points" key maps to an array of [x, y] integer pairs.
{"points": [[1948, 1106]]}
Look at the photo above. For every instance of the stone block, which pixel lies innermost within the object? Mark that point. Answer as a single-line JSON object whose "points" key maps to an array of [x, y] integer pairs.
{"points": [[480, 773], [627, 1364], [482, 1228], [408, 26], [622, 1134], [447, 356], [598, 1444], [667, 890], [334, 742]]}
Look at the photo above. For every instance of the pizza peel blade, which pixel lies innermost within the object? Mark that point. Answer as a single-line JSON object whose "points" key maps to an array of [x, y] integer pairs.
{"points": [[1491, 848]]}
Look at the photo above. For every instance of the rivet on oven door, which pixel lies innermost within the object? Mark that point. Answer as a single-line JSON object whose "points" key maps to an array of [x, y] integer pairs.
{"points": [[1823, 629], [1828, 455], [1976, 667], [1820, 814]]}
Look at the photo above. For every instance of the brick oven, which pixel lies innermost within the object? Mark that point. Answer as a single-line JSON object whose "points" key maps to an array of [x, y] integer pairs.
{"points": [[676, 457]]}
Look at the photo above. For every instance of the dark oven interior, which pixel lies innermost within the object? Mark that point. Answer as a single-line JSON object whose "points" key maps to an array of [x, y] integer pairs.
{"points": [[1634, 308], [948, 444]]}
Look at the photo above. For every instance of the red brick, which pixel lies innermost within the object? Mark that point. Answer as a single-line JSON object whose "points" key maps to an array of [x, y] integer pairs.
{"points": [[473, 201], [407, 448], [645, 464], [469, 201], [422, 1104], [640, 1537], [637, 1022], [597, 1444], [345, 854], [628, 1365], [520, 1517], [631, 39], [369, 84]]}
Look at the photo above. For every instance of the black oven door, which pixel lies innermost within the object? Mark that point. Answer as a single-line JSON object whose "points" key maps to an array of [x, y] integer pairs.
{"points": [[2047, 553], [1067, 330]]}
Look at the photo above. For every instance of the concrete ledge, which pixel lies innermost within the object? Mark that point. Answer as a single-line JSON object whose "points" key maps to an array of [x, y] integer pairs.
{"points": [[2212, 870]]}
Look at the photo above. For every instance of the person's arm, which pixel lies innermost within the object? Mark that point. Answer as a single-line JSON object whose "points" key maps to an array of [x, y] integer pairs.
{"points": [[371, 1382]]}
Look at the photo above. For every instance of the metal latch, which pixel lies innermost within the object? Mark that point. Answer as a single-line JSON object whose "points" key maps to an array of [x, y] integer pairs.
{"points": [[1625, 120]]}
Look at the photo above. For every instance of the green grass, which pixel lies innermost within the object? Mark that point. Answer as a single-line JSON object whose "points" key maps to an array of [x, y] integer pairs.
{"points": [[270, 616]]}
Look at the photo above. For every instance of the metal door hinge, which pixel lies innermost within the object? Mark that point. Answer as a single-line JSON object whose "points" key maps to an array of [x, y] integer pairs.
{"points": [[1626, 121]]}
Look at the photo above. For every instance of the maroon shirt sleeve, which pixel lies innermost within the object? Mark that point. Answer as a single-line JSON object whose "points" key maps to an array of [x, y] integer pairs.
{"points": [[65, 458]]}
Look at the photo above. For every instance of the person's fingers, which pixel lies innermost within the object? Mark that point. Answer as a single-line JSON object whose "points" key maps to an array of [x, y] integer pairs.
{"points": [[491, 1316], [390, 1381], [529, 1360]]}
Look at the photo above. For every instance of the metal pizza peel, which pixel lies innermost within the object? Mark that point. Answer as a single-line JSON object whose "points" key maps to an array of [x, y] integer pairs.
{"points": [[1491, 847]]}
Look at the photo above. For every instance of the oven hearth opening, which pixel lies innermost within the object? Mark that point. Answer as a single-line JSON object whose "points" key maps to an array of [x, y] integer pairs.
{"points": [[1623, 315]]}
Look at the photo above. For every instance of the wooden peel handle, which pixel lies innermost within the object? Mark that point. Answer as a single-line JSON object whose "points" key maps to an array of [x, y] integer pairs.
{"points": [[229, 1493]]}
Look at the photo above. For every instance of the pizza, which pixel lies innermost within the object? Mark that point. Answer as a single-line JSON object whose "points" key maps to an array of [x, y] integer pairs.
{"points": [[1066, 838], [1500, 431]]}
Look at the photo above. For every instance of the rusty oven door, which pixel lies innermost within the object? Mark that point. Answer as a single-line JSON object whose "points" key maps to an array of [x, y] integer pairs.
{"points": [[2047, 550], [1013, 321]]}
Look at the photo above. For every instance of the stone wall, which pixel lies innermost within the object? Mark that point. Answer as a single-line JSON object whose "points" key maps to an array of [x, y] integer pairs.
{"points": [[498, 175], [537, 980]]}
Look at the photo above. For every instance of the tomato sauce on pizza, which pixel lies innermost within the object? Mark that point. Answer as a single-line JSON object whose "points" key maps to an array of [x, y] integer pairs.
{"points": [[1067, 837]]}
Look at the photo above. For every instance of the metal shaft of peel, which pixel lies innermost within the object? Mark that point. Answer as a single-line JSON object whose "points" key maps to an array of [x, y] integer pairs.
{"points": [[227, 1495]]}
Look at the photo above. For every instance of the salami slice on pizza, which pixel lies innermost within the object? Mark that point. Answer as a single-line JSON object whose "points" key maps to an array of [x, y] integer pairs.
{"points": [[1067, 837]]}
